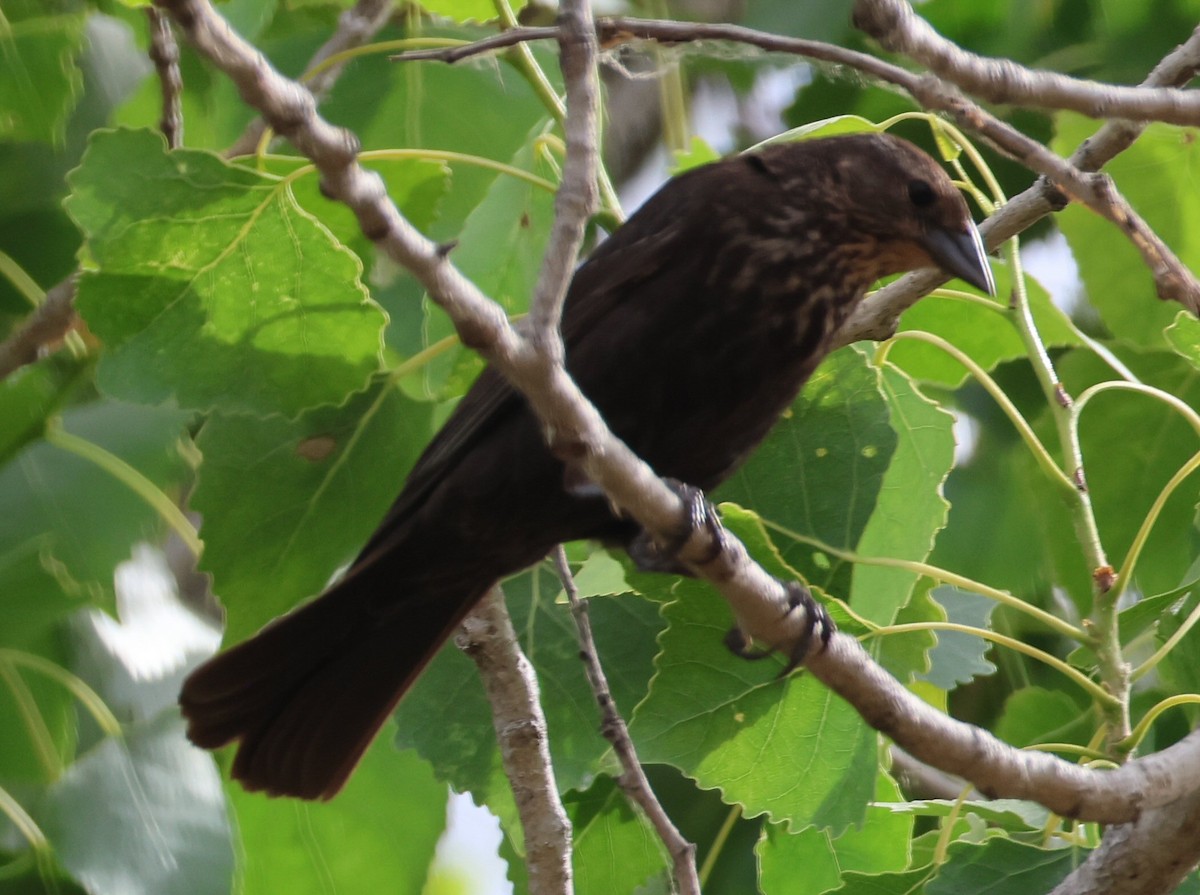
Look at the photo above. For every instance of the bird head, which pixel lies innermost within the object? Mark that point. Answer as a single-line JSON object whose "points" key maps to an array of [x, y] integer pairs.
{"points": [[900, 206]]}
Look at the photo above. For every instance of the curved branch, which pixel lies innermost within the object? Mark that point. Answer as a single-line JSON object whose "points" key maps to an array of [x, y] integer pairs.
{"points": [[897, 28]]}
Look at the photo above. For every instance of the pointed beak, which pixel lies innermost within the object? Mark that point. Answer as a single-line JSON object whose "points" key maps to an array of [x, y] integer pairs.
{"points": [[963, 255]]}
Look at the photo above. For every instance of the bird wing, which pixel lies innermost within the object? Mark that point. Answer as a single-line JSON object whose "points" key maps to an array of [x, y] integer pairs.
{"points": [[598, 287]]}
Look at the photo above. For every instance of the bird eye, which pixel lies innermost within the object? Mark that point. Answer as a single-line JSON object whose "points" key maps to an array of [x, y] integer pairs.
{"points": [[920, 193]]}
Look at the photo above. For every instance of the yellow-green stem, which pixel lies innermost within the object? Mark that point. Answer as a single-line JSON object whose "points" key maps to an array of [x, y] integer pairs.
{"points": [[130, 478]]}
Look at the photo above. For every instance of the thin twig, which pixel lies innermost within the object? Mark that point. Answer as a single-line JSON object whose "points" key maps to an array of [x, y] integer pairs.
{"points": [[164, 53], [356, 26], [897, 28], [612, 725], [487, 636], [44, 326]]}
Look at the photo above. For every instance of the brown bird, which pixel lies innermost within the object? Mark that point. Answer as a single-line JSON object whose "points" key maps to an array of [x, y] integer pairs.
{"points": [[691, 328]]}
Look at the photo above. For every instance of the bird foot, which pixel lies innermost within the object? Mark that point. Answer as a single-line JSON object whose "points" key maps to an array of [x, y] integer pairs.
{"points": [[817, 622], [652, 555]]}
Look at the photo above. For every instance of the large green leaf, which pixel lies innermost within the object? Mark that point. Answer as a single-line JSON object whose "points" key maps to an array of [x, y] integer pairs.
{"points": [[378, 835], [285, 502], [910, 510], [987, 337], [786, 747], [212, 287], [614, 847], [819, 472]]}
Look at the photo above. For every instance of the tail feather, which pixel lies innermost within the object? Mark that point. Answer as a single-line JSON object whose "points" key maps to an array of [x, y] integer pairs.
{"points": [[307, 694]]}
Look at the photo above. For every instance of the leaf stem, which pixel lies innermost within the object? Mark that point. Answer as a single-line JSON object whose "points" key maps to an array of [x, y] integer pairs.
{"points": [[76, 686], [21, 281], [1097, 692], [1044, 460], [718, 844], [1143, 727], [942, 576], [131, 478]]}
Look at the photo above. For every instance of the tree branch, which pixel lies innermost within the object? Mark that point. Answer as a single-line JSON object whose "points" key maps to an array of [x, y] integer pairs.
{"points": [[356, 26], [164, 53], [487, 636], [45, 325], [1152, 855], [994, 767], [576, 198], [633, 779], [897, 28]]}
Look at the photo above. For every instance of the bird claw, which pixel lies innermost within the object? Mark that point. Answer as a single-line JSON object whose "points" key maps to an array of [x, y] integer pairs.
{"points": [[650, 555], [816, 616], [799, 597]]}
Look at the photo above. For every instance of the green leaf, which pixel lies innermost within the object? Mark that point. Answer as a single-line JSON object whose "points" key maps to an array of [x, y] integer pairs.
{"points": [[82, 519], [212, 277], [910, 510], [40, 80], [1034, 715], [698, 153], [819, 473], [311, 490], [500, 250], [1002, 867], [812, 861], [1150, 174], [988, 337], [716, 716], [1009, 814], [959, 657], [1184, 337], [464, 10], [30, 397], [378, 835], [417, 186], [615, 849], [142, 814]]}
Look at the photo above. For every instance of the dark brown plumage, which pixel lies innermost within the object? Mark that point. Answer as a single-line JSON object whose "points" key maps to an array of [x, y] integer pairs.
{"points": [[691, 328]]}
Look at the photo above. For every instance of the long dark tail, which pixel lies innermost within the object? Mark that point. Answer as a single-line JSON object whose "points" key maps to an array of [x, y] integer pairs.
{"points": [[307, 694]]}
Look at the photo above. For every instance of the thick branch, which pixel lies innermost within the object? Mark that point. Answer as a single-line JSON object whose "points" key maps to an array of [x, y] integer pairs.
{"points": [[897, 28], [1152, 855], [164, 53], [487, 636], [48, 323], [356, 26], [997, 769]]}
